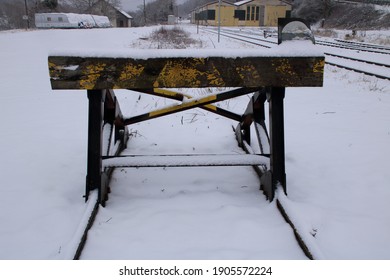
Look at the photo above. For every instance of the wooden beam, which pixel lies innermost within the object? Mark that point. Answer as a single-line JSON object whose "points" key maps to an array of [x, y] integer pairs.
{"points": [[69, 72]]}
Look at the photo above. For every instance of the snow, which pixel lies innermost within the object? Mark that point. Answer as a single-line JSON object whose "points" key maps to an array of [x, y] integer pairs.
{"points": [[186, 160], [292, 48], [73, 244], [337, 161], [70, 20], [307, 233], [125, 14], [92, 20], [239, 3], [378, 70]]}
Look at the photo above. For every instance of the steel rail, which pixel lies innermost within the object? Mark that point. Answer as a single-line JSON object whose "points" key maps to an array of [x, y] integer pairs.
{"points": [[343, 46], [358, 71], [358, 59], [371, 46], [238, 37], [243, 40]]}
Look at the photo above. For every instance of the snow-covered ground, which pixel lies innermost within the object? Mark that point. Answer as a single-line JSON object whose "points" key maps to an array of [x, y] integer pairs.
{"points": [[337, 164]]}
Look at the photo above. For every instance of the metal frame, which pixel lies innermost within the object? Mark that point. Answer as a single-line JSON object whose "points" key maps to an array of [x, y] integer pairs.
{"points": [[265, 76], [107, 136], [107, 129], [271, 144]]}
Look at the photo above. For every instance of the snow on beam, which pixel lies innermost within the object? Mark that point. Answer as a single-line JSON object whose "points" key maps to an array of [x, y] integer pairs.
{"points": [[72, 72], [185, 160]]}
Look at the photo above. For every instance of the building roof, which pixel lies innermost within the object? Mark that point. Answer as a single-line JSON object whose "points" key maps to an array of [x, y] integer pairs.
{"points": [[239, 3], [119, 10], [243, 2], [215, 2], [124, 13]]}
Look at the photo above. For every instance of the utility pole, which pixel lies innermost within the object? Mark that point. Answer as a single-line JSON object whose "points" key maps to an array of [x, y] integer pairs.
{"points": [[197, 21], [25, 17], [145, 12]]}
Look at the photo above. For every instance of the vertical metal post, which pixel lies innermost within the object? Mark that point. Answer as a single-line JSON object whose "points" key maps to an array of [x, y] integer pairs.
{"points": [[219, 20], [258, 106], [94, 156], [259, 119], [277, 158]]}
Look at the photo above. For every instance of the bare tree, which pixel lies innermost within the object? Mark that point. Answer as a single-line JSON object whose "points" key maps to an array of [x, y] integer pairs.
{"points": [[191, 5], [12, 11], [154, 12], [84, 5], [51, 4], [11, 14], [313, 10]]}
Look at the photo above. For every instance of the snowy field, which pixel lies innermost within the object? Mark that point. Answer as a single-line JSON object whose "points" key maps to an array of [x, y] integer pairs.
{"points": [[337, 164]]}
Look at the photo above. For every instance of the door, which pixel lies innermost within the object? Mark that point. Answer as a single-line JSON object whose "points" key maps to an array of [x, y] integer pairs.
{"points": [[261, 15]]}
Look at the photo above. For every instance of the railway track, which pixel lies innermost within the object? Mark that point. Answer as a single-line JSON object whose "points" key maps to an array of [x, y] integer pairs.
{"points": [[337, 43], [360, 44], [359, 65], [243, 38], [281, 208], [79, 243], [304, 239], [377, 70], [353, 46]]}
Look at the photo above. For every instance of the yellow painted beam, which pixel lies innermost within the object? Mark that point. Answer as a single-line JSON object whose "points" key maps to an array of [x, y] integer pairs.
{"points": [[191, 103], [181, 96], [184, 72]]}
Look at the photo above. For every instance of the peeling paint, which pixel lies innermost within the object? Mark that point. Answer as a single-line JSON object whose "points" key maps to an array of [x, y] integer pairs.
{"points": [[190, 72], [287, 72], [284, 67], [248, 70], [130, 71], [319, 66], [91, 74], [176, 72]]}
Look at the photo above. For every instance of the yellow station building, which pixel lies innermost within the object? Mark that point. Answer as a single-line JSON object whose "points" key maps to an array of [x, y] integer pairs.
{"points": [[242, 13]]}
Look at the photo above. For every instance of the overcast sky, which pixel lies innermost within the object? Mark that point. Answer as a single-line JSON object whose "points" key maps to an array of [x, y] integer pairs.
{"points": [[132, 5]]}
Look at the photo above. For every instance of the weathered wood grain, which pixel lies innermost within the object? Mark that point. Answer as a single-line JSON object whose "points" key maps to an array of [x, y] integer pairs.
{"points": [[184, 72]]}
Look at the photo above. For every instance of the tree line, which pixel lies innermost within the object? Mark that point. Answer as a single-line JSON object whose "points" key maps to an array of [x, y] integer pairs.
{"points": [[149, 13], [154, 12]]}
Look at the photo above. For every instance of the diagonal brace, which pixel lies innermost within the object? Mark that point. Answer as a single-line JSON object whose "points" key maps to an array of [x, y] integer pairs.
{"points": [[182, 96], [190, 104]]}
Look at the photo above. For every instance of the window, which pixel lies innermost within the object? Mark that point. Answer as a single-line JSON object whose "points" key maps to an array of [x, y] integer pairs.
{"points": [[48, 18], [60, 19], [206, 15], [240, 14], [211, 14], [252, 13]]}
